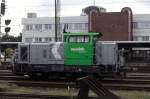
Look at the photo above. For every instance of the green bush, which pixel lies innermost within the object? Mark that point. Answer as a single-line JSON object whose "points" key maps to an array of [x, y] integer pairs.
{"points": [[9, 52]]}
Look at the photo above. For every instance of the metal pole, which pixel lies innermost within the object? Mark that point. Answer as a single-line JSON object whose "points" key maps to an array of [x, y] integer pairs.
{"points": [[56, 20], [0, 24], [94, 2], [3, 1], [0, 35]]}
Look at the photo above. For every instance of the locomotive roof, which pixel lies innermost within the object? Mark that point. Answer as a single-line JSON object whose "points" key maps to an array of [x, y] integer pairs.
{"points": [[129, 44], [90, 33]]}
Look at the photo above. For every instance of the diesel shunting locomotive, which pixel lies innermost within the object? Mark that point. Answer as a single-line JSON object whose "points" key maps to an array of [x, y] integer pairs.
{"points": [[78, 55]]}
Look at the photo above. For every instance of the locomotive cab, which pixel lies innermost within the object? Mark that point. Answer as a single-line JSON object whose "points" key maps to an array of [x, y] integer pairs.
{"points": [[79, 49]]}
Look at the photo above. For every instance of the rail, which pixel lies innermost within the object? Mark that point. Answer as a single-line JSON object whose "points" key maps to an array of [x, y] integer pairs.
{"points": [[30, 96], [87, 83]]}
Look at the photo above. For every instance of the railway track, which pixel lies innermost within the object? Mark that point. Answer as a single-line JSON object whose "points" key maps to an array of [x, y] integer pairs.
{"points": [[29, 96], [114, 86], [130, 83]]}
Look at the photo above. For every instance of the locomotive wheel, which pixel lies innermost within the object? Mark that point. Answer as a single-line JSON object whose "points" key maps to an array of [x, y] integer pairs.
{"points": [[32, 75], [45, 76], [73, 77]]}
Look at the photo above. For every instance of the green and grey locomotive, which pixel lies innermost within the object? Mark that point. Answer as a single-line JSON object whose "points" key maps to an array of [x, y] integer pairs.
{"points": [[78, 55]]}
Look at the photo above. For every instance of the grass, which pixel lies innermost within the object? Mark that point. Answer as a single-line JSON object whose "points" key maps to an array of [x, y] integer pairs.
{"points": [[123, 94], [12, 88]]}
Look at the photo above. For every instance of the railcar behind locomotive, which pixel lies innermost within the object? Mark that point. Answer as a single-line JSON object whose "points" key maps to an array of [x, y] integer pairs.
{"points": [[79, 54]]}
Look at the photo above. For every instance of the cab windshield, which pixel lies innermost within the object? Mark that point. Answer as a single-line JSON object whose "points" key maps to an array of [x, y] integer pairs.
{"points": [[79, 39]]}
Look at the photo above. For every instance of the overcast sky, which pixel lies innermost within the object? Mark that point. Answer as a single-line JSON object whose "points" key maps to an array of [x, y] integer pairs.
{"points": [[17, 9]]}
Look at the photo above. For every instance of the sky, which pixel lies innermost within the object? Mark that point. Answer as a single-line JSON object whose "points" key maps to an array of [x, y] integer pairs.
{"points": [[18, 9]]}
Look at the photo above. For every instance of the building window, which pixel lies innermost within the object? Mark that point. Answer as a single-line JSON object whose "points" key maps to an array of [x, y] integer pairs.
{"points": [[145, 38], [135, 38], [78, 26], [38, 39], [86, 26], [29, 27], [48, 39], [135, 25], [38, 27], [145, 25], [48, 26], [70, 26], [66, 26], [28, 40]]}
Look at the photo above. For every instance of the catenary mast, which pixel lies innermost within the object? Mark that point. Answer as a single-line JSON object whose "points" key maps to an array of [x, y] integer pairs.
{"points": [[57, 21]]}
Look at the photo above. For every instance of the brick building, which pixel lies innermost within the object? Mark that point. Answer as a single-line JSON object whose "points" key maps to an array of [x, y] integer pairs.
{"points": [[115, 26]]}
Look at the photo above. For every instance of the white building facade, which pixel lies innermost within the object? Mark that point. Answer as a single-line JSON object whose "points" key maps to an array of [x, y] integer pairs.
{"points": [[141, 27], [42, 29]]}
